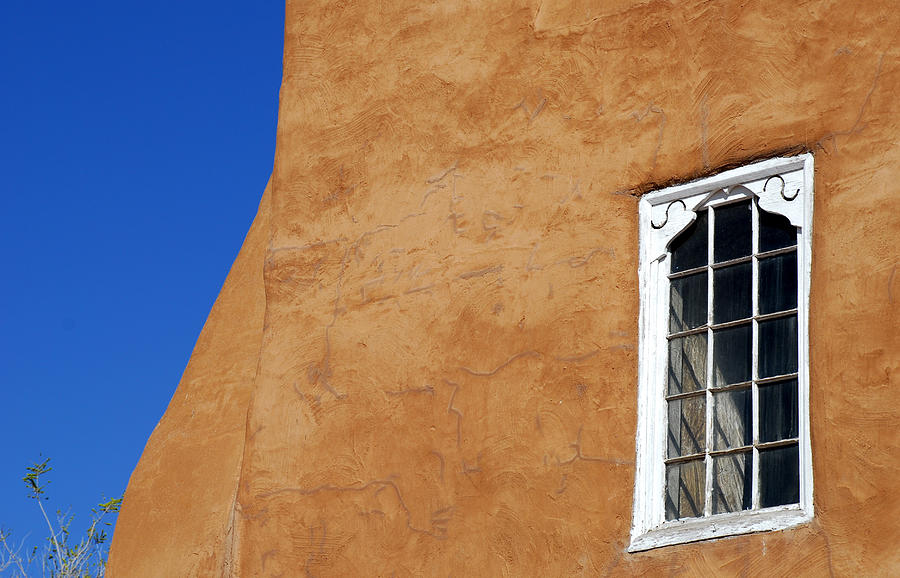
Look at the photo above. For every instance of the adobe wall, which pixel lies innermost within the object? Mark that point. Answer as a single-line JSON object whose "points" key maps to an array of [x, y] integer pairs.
{"points": [[445, 378], [179, 514]]}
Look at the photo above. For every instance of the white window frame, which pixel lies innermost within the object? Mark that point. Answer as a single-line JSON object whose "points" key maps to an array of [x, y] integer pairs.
{"points": [[783, 186]]}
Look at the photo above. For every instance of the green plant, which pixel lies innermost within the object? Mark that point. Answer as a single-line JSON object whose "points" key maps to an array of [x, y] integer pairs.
{"points": [[60, 556]]}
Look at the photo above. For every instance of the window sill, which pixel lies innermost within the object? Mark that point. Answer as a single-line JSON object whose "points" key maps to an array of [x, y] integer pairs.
{"points": [[720, 526]]}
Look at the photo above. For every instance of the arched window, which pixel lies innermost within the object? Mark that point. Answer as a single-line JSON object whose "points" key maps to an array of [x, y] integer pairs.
{"points": [[723, 426]]}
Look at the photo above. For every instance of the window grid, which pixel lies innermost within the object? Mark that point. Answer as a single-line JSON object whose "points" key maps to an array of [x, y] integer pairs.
{"points": [[710, 328], [710, 360], [739, 260], [754, 387]]}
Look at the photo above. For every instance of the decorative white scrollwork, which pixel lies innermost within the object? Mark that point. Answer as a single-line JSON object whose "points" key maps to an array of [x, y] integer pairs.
{"points": [[781, 192], [663, 224], [771, 190], [676, 219], [773, 198]]}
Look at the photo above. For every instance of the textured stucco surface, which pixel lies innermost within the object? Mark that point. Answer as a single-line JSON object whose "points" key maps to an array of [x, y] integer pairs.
{"points": [[424, 361]]}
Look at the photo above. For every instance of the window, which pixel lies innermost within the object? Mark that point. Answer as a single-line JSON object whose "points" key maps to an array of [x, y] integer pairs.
{"points": [[723, 399]]}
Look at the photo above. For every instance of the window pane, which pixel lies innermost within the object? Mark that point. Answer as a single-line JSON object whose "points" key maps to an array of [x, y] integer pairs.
{"points": [[732, 419], [685, 490], [778, 346], [733, 231], [777, 283], [779, 476], [689, 248], [731, 293], [687, 363], [732, 475], [778, 411], [775, 232], [687, 302], [732, 355], [687, 426]]}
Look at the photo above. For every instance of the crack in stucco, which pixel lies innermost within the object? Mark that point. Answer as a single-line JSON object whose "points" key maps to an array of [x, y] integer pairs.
{"points": [[476, 373], [832, 136], [440, 532]]}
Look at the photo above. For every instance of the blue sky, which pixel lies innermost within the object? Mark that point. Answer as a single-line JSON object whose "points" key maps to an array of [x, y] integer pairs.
{"points": [[135, 142]]}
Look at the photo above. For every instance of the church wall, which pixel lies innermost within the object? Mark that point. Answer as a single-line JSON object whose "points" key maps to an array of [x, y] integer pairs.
{"points": [[445, 380]]}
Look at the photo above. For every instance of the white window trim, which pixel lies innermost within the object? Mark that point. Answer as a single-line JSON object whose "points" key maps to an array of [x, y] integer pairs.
{"points": [[783, 186]]}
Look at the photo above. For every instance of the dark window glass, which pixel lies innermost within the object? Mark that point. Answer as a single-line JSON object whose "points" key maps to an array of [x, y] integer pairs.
{"points": [[689, 249], [687, 302], [779, 476], [732, 355], [685, 490], [731, 293], [778, 283], [777, 346], [687, 426], [778, 411], [687, 363], [732, 415], [732, 475], [775, 232], [733, 232]]}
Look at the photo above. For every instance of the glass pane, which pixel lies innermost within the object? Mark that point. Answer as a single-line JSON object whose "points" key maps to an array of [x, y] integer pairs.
{"points": [[779, 476], [687, 363], [778, 346], [731, 293], [732, 486], [685, 490], [687, 426], [687, 302], [732, 415], [689, 248], [732, 355], [778, 411], [777, 283], [775, 232], [733, 232]]}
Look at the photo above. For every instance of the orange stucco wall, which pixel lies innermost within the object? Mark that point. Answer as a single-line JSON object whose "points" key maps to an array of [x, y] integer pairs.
{"points": [[425, 359]]}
